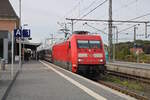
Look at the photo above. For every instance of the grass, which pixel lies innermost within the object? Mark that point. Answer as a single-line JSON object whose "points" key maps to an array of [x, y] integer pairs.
{"points": [[132, 85]]}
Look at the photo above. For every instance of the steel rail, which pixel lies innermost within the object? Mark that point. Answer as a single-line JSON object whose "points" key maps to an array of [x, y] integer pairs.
{"points": [[133, 77], [124, 91]]}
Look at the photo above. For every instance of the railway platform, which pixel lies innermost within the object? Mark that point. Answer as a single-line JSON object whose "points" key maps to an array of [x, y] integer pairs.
{"points": [[135, 69], [131, 64], [6, 79], [41, 80]]}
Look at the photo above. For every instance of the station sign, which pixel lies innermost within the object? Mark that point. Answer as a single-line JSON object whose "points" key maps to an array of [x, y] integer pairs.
{"points": [[21, 33], [26, 33], [17, 32]]}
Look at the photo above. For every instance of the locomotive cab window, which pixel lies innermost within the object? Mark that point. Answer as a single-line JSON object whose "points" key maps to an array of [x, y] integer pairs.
{"points": [[83, 43], [94, 44]]}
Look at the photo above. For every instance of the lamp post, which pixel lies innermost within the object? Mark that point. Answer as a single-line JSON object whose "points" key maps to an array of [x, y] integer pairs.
{"points": [[12, 45], [24, 25], [148, 35], [20, 37], [115, 41], [12, 56]]}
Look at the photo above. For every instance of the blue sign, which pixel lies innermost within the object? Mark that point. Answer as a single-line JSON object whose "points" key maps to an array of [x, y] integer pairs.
{"points": [[17, 32], [26, 32], [21, 33]]}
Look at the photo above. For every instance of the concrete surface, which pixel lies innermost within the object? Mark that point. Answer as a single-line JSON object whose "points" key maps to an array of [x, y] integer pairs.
{"points": [[136, 69], [6, 79], [45, 81], [130, 64]]}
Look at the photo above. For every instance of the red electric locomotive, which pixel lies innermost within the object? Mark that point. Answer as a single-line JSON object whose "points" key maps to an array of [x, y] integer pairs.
{"points": [[81, 53]]}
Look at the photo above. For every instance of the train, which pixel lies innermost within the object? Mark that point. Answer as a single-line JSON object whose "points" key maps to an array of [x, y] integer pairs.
{"points": [[45, 54], [81, 53]]}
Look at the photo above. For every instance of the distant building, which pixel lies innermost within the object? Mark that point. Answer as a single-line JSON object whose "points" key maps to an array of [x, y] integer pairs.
{"points": [[8, 21], [136, 50]]}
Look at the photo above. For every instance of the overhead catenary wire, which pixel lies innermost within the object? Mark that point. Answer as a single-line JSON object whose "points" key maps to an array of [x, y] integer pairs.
{"points": [[121, 22], [140, 16], [127, 28], [94, 28], [75, 7], [94, 8], [95, 20], [133, 19], [125, 6], [78, 4], [91, 4], [70, 11]]}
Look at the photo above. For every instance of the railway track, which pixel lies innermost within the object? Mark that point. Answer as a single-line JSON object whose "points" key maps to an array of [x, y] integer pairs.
{"points": [[124, 91], [128, 76]]}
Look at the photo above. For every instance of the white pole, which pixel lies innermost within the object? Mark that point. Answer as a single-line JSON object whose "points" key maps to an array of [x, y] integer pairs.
{"points": [[20, 37], [23, 50], [114, 46], [19, 53], [23, 43], [12, 56]]}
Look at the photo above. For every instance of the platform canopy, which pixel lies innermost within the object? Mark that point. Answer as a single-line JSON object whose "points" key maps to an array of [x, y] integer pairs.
{"points": [[6, 10], [29, 45]]}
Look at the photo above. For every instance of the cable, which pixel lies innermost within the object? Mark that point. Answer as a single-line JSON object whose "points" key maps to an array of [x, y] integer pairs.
{"points": [[94, 9], [121, 23], [72, 9], [94, 28], [127, 28], [125, 6], [89, 5], [139, 16]]}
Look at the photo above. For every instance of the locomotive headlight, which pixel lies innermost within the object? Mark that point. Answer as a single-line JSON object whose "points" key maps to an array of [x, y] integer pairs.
{"points": [[101, 60], [98, 55], [80, 60], [82, 55]]}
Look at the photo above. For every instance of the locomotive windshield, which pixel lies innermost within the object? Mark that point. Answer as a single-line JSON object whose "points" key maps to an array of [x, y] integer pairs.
{"points": [[88, 44], [83, 44], [94, 44]]}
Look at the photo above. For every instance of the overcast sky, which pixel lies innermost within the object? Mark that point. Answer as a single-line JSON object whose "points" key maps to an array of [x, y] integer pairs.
{"points": [[42, 16]]}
